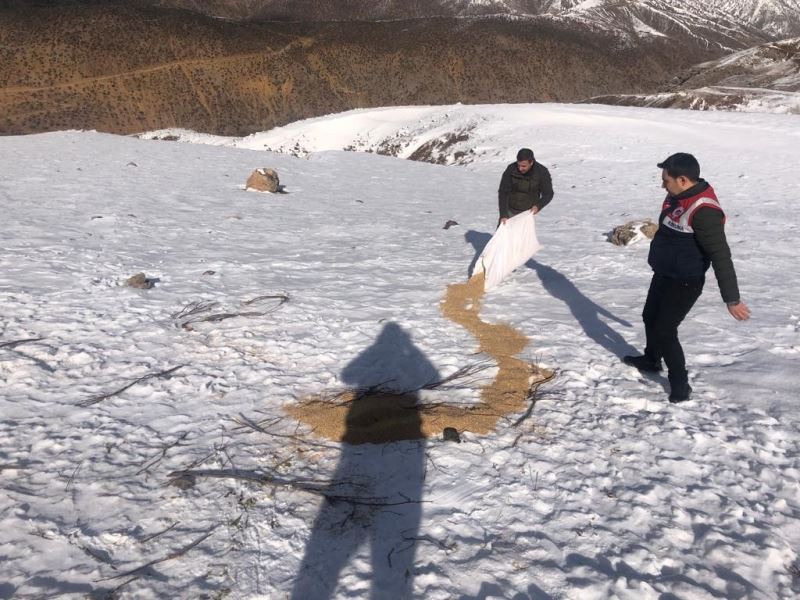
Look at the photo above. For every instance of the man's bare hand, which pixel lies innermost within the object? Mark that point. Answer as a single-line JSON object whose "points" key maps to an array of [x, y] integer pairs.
{"points": [[739, 311]]}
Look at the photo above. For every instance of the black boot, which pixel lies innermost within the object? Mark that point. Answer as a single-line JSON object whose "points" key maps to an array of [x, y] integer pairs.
{"points": [[643, 363], [680, 390]]}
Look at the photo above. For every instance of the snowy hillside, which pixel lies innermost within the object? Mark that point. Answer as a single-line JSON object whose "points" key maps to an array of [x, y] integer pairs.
{"points": [[447, 135], [774, 66], [732, 24], [724, 24], [724, 98], [151, 444], [765, 78], [778, 18]]}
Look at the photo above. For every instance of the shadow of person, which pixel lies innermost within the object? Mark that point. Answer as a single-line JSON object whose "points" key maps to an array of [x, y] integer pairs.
{"points": [[478, 241], [374, 497], [493, 590], [586, 312]]}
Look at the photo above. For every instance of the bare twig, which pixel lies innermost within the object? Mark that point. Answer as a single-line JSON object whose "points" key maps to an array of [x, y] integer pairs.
{"points": [[192, 312], [282, 297], [96, 399], [158, 533], [228, 456], [446, 546], [532, 396], [314, 487], [245, 422], [319, 488], [113, 593], [200, 461], [465, 372], [248, 423], [172, 555], [15, 343], [164, 450], [217, 317], [72, 477], [411, 541], [435, 466], [193, 308], [347, 518]]}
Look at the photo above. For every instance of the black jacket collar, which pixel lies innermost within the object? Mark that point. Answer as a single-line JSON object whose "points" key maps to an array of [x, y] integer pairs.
{"points": [[697, 188]]}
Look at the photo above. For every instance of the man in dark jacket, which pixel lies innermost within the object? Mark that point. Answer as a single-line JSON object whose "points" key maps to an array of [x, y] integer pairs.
{"points": [[525, 185], [690, 238]]}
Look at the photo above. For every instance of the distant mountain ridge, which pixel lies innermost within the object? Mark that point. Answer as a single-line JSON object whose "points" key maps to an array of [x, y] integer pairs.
{"points": [[116, 67], [140, 65], [728, 24]]}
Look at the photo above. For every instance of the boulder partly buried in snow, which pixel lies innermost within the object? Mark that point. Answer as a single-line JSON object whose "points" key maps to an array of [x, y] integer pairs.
{"points": [[263, 180], [141, 281], [632, 232]]}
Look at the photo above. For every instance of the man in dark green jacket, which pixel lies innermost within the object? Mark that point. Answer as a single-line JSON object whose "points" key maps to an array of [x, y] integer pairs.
{"points": [[690, 238], [525, 185]]}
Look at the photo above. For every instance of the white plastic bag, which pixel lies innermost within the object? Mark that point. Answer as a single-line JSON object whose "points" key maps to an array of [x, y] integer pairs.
{"points": [[511, 246]]}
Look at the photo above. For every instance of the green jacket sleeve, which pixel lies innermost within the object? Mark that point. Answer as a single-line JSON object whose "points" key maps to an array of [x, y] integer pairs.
{"points": [[709, 231], [546, 189], [503, 193]]}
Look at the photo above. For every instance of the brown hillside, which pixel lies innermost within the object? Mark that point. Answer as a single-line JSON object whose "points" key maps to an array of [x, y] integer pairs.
{"points": [[121, 69]]}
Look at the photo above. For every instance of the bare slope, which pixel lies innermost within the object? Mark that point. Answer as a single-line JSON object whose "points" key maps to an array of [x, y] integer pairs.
{"points": [[117, 68]]}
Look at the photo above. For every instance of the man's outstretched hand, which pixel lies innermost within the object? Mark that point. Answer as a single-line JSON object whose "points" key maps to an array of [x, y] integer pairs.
{"points": [[739, 311]]}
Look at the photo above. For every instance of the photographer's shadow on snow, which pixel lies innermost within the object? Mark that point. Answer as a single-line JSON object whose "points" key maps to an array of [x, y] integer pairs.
{"points": [[365, 532]]}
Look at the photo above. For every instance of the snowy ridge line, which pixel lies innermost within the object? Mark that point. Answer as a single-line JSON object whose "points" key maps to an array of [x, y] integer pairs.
{"points": [[450, 135], [713, 98]]}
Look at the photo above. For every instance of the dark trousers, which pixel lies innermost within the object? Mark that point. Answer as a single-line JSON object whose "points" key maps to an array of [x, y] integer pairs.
{"points": [[668, 302]]}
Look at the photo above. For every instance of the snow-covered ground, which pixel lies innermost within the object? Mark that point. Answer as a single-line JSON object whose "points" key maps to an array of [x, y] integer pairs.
{"points": [[604, 491]]}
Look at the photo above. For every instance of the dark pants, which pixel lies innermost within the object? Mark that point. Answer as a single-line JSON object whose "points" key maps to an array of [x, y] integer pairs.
{"points": [[668, 302]]}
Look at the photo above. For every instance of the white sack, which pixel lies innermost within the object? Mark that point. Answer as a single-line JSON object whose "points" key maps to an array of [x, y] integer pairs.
{"points": [[511, 246]]}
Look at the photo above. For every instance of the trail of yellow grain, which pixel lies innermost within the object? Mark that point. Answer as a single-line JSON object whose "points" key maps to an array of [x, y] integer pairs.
{"points": [[383, 417]]}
